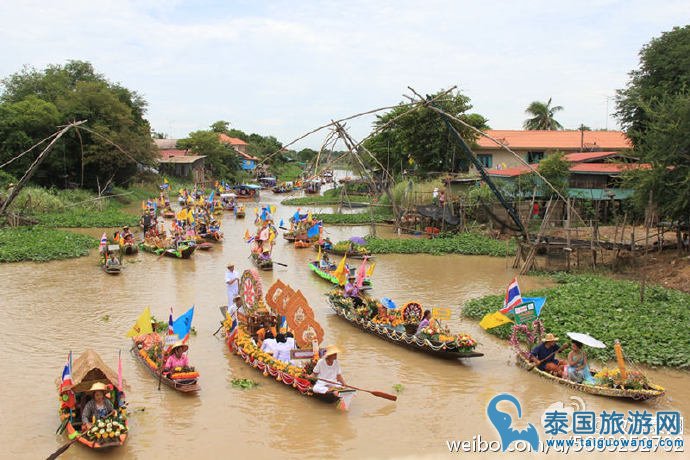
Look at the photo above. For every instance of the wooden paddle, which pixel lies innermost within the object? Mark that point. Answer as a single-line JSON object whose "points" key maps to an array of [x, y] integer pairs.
{"points": [[63, 448], [538, 363], [379, 394], [278, 263]]}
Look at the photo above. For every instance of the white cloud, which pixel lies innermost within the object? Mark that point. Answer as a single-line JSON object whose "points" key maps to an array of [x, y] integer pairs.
{"points": [[283, 68]]}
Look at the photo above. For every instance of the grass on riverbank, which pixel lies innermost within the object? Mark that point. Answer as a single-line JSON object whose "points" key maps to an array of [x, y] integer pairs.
{"points": [[360, 218], [654, 332], [462, 243], [323, 200], [110, 216], [41, 244]]}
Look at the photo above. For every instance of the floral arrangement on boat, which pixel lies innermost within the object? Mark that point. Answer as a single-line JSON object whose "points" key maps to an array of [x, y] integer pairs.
{"points": [[341, 247], [103, 430], [611, 378], [443, 335]]}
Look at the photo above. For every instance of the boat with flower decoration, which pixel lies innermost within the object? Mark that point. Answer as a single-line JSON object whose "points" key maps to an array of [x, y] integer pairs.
{"points": [[77, 379], [614, 383], [399, 326], [148, 350], [243, 334]]}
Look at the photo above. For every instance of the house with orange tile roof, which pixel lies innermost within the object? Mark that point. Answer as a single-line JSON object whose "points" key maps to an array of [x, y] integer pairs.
{"points": [[241, 147], [533, 146]]}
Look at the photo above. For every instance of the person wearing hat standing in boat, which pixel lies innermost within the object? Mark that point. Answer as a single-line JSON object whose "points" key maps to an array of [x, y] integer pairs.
{"points": [[352, 291], [98, 408], [328, 368], [177, 357], [545, 355], [126, 235], [232, 283]]}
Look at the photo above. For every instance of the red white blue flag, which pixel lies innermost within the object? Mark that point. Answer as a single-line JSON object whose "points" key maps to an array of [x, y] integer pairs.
{"points": [[513, 297], [170, 323], [67, 373]]}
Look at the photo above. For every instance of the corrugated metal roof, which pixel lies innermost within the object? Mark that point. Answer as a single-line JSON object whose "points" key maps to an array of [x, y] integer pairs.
{"points": [[567, 140], [183, 159]]}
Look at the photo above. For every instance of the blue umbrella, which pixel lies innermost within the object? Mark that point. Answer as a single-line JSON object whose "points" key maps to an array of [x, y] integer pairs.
{"points": [[358, 240]]}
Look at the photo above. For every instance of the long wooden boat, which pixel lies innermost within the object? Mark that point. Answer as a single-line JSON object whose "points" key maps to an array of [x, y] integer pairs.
{"points": [[112, 269], [183, 250], [399, 336], [653, 392], [88, 369], [187, 383], [291, 237], [291, 376], [262, 264], [328, 275], [146, 247], [168, 213]]}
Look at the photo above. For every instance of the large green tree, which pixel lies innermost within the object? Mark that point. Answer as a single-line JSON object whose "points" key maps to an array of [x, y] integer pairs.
{"points": [[33, 102], [221, 160], [421, 140], [664, 71], [654, 109], [542, 116]]}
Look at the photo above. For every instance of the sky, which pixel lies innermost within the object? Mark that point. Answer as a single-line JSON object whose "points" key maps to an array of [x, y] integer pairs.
{"points": [[283, 68]]}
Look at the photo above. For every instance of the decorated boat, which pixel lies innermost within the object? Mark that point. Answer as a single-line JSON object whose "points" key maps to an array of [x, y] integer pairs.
{"points": [[613, 383], [302, 244], [130, 248], [148, 350], [240, 211], [247, 192], [331, 273], [183, 249], [292, 236], [78, 378], [313, 186], [399, 326], [284, 187], [168, 213], [281, 301], [262, 262], [341, 248], [111, 265]]}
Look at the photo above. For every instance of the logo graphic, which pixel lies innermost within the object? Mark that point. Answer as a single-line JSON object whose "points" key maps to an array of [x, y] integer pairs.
{"points": [[559, 409], [502, 422]]}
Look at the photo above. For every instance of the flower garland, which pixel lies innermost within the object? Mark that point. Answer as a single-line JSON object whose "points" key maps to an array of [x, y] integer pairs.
{"points": [[532, 335], [281, 371]]}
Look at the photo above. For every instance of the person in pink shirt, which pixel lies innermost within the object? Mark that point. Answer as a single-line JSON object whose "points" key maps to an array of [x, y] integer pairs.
{"points": [[177, 357]]}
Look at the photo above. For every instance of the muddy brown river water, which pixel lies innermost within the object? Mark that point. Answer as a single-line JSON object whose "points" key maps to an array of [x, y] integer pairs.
{"points": [[48, 309]]}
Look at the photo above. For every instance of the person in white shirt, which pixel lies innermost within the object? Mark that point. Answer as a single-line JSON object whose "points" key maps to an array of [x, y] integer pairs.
{"points": [[269, 345], [232, 283], [283, 348], [328, 368], [236, 307], [290, 339]]}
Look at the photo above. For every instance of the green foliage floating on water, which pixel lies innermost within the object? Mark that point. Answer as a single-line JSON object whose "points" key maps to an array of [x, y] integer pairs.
{"points": [[463, 243], [654, 332], [111, 216], [360, 218], [324, 200], [41, 244], [244, 384]]}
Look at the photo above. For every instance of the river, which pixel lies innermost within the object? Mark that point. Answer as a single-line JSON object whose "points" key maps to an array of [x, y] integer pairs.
{"points": [[47, 309]]}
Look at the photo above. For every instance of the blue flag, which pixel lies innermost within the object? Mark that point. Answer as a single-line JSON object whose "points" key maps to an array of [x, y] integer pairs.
{"points": [[281, 224], [183, 324], [313, 231], [295, 217], [211, 195]]}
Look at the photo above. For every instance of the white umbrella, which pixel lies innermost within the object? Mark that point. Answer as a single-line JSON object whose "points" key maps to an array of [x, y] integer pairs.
{"points": [[585, 339]]}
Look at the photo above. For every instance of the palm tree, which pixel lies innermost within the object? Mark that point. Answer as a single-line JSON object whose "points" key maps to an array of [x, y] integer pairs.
{"points": [[542, 116]]}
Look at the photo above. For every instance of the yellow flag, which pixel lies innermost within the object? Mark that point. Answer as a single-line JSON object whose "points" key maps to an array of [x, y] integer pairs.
{"points": [[370, 270], [182, 215], [246, 235], [319, 256], [143, 324], [309, 219], [494, 319], [441, 313], [273, 209], [165, 180], [340, 272]]}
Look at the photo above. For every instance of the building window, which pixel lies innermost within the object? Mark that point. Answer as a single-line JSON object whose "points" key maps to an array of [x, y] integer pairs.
{"points": [[486, 160], [534, 157]]}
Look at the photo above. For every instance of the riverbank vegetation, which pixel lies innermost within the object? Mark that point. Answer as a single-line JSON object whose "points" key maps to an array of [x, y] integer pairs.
{"points": [[463, 243], [41, 244], [654, 332], [360, 218], [329, 197]]}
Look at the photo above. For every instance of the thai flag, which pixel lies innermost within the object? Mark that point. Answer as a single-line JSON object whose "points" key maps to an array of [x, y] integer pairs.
{"points": [[67, 373], [170, 323], [233, 331], [104, 240], [513, 297]]}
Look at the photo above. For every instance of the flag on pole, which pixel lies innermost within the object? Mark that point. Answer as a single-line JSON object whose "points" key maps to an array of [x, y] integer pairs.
{"points": [[183, 324], [494, 319], [513, 297], [361, 273], [143, 324], [170, 323], [340, 272], [104, 241], [67, 373], [313, 231], [273, 209], [281, 224], [370, 271], [319, 256]]}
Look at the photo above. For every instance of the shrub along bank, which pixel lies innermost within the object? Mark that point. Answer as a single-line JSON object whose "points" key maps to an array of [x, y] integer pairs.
{"points": [[654, 332]]}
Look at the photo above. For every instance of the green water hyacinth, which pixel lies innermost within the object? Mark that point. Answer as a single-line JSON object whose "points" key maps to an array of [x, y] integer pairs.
{"points": [[42, 244]]}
